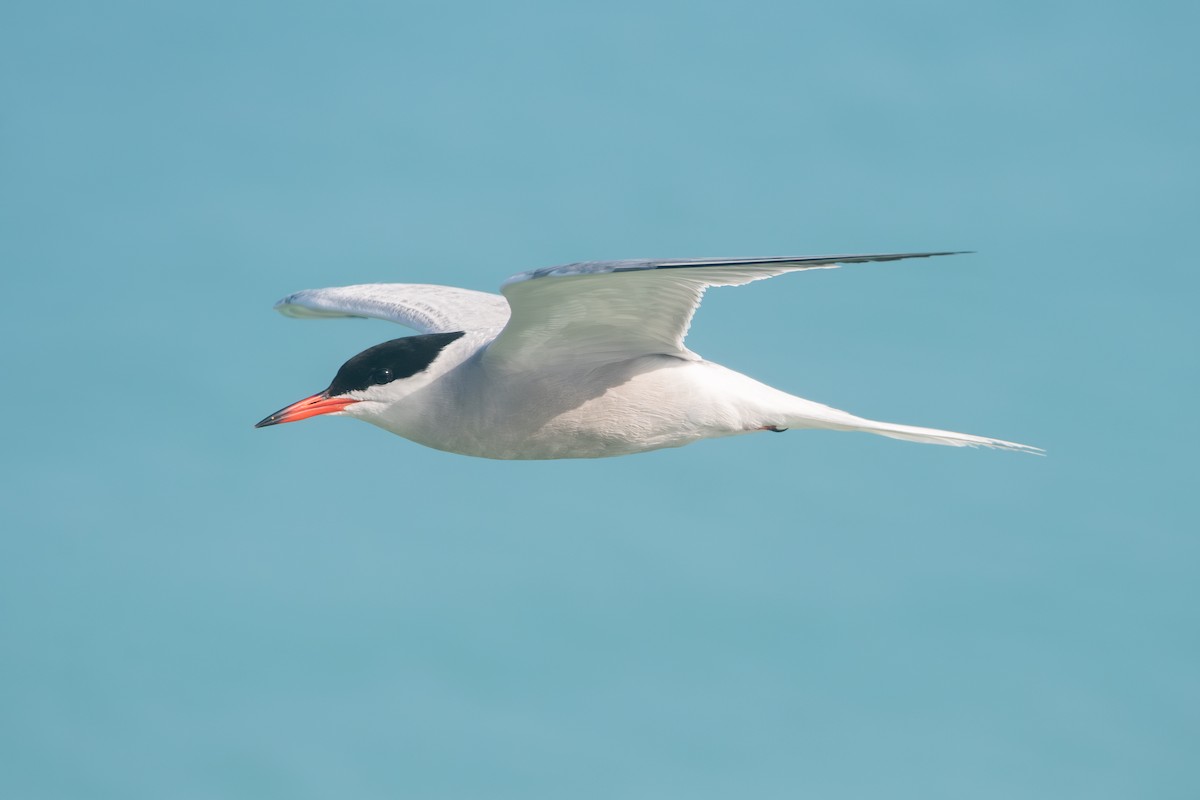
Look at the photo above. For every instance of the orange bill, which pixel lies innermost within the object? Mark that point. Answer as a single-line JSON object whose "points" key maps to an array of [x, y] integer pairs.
{"points": [[308, 407]]}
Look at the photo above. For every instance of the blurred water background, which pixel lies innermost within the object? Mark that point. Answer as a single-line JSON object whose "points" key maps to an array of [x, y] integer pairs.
{"points": [[190, 608]]}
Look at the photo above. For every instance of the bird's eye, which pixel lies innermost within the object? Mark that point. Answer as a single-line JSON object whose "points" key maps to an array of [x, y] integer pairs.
{"points": [[381, 376]]}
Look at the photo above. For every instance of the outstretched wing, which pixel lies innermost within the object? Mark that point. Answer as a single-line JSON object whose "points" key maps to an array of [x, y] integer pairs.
{"points": [[600, 311], [423, 307]]}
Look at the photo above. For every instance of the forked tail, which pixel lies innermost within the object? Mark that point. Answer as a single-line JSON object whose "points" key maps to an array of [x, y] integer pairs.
{"points": [[934, 436], [816, 415]]}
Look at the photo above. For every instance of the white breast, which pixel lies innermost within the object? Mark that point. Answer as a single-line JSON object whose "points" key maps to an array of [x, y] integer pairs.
{"points": [[644, 404]]}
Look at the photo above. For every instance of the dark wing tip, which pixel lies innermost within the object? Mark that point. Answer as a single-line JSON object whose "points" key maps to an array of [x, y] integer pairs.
{"points": [[899, 256], [638, 265], [812, 260]]}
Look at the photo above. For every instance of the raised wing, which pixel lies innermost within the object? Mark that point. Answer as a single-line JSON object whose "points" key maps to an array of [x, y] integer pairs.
{"points": [[600, 311], [422, 307]]}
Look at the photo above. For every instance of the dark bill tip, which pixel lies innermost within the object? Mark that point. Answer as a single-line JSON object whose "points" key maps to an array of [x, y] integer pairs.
{"points": [[319, 403]]}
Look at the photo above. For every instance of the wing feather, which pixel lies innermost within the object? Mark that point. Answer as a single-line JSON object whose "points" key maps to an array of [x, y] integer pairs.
{"points": [[600, 311], [423, 307]]}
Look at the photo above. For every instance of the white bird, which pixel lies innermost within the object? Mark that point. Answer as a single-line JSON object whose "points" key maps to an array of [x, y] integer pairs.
{"points": [[583, 360]]}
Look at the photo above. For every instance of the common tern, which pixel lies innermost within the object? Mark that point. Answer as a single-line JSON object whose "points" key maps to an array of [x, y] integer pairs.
{"points": [[583, 360]]}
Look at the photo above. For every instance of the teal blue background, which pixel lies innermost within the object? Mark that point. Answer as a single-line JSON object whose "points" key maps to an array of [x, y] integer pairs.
{"points": [[190, 608]]}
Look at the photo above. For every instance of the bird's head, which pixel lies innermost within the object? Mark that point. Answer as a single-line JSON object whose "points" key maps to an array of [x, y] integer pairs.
{"points": [[373, 380]]}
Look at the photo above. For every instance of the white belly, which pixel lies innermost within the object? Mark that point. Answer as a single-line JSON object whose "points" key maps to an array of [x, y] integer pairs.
{"points": [[647, 404]]}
